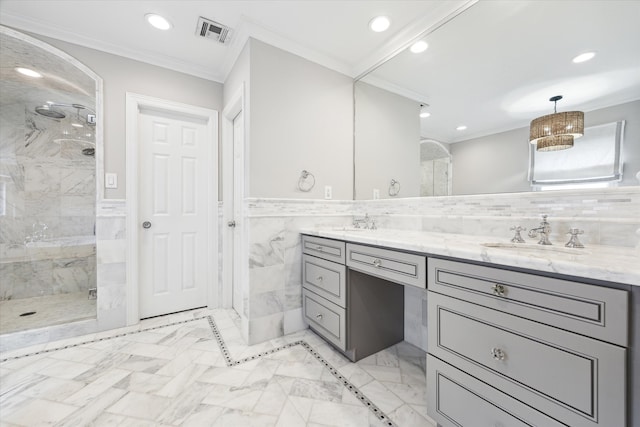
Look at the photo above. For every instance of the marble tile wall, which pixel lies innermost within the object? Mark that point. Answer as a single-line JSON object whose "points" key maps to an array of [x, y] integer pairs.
{"points": [[274, 305], [609, 217], [48, 194]]}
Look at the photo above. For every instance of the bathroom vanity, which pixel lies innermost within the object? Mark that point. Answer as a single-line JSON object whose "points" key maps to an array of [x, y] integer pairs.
{"points": [[517, 335]]}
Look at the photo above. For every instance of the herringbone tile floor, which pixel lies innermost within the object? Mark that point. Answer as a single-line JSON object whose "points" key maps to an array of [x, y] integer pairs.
{"points": [[193, 369]]}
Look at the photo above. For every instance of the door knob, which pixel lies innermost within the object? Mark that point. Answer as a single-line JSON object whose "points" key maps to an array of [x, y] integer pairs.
{"points": [[146, 224], [231, 224]]}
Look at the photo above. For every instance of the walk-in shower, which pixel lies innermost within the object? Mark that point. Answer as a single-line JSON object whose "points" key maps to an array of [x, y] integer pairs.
{"points": [[47, 190]]}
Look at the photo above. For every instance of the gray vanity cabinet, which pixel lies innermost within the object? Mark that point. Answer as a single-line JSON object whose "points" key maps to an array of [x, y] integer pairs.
{"points": [[512, 339], [324, 288], [360, 314]]}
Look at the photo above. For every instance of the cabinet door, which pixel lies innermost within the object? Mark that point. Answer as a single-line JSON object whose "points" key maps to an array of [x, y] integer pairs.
{"points": [[457, 399], [574, 379]]}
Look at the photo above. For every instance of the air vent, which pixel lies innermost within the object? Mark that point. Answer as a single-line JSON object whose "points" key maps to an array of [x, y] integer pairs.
{"points": [[213, 30]]}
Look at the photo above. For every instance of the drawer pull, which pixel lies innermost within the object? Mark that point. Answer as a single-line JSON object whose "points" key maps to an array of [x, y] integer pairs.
{"points": [[498, 354], [499, 290], [319, 316], [377, 263], [319, 279], [320, 248]]}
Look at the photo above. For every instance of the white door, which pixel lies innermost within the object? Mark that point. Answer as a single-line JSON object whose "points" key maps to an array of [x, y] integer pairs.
{"points": [[173, 204], [238, 142]]}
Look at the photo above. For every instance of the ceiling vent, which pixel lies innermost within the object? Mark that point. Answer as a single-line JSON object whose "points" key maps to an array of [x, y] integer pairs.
{"points": [[213, 30]]}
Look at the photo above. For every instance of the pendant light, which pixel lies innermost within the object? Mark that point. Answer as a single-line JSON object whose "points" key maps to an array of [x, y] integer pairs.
{"points": [[558, 130]]}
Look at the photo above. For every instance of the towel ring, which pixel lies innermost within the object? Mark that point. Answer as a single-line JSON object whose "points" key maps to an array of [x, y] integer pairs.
{"points": [[306, 181], [394, 188]]}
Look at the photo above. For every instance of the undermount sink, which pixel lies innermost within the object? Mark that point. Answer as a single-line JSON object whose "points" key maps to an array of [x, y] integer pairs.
{"points": [[535, 249]]}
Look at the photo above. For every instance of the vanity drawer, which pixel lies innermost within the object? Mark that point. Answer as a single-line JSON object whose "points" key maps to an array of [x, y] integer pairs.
{"points": [[325, 278], [332, 250], [574, 379], [326, 318], [458, 399], [399, 267], [590, 310]]}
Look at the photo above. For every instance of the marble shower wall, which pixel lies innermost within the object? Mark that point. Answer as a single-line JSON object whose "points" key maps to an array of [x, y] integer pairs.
{"points": [[609, 217], [48, 195]]}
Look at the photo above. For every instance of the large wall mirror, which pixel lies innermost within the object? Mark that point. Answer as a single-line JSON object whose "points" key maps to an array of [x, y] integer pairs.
{"points": [[49, 140], [485, 75]]}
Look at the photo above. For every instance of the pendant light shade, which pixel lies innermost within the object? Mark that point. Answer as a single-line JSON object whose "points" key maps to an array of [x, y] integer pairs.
{"points": [[558, 130], [554, 143]]}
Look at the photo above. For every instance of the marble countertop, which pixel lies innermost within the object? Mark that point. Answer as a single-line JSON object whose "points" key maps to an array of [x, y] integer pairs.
{"points": [[609, 263]]}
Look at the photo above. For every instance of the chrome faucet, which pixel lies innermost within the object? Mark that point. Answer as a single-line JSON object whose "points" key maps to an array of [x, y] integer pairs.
{"points": [[544, 230]]}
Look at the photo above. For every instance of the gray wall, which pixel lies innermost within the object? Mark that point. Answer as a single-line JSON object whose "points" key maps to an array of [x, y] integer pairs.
{"points": [[301, 117], [500, 163], [121, 75], [387, 144]]}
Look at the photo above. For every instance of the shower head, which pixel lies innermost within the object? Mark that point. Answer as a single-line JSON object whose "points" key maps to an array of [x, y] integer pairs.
{"points": [[48, 111]]}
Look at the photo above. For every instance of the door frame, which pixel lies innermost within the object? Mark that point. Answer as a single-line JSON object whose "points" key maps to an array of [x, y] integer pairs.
{"points": [[134, 103], [233, 107]]}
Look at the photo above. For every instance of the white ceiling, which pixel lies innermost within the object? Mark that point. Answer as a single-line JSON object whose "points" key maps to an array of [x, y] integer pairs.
{"points": [[494, 67], [332, 33]]}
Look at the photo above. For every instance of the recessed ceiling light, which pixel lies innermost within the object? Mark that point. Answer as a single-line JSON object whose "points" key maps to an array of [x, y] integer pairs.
{"points": [[583, 57], [379, 24], [419, 46], [158, 21], [463, 127], [29, 72]]}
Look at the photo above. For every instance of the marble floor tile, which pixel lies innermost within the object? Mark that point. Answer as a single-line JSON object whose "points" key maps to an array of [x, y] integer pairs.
{"points": [[140, 405], [185, 370], [39, 412]]}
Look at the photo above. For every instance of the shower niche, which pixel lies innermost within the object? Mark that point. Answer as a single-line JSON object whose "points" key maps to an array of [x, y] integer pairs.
{"points": [[48, 189]]}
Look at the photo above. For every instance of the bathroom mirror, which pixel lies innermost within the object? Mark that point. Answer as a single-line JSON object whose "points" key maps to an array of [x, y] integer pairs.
{"points": [[49, 140], [486, 74]]}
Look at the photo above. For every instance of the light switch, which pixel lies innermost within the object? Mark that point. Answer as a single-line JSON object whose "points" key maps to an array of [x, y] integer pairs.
{"points": [[110, 180], [376, 194]]}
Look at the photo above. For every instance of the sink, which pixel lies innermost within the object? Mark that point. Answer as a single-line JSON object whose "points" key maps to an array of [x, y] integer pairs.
{"points": [[535, 249]]}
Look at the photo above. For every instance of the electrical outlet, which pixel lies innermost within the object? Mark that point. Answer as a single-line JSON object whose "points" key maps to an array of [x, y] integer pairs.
{"points": [[327, 192], [376, 194]]}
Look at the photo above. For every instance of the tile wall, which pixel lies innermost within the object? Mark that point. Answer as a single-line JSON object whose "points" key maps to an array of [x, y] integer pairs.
{"points": [[48, 196]]}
